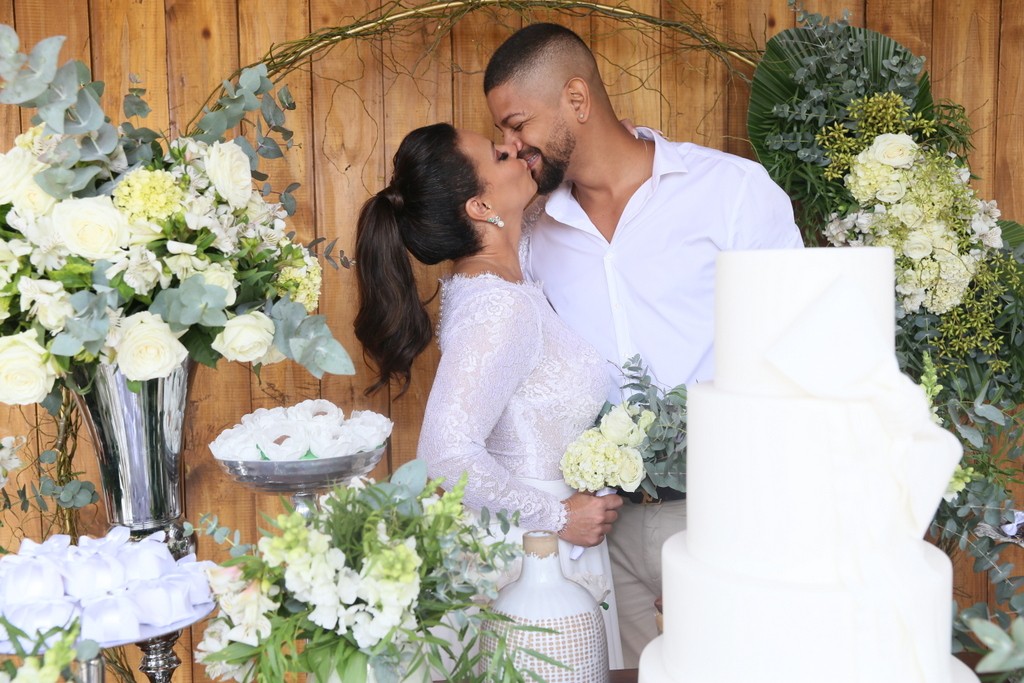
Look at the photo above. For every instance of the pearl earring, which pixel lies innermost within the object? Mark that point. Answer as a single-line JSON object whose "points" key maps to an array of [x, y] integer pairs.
{"points": [[496, 220]]}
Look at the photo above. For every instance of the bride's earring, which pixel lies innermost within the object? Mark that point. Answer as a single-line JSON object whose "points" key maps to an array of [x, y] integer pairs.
{"points": [[495, 219]]}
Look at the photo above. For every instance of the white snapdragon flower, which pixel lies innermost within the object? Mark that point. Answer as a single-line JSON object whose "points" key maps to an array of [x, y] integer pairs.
{"points": [[215, 639], [248, 610]]}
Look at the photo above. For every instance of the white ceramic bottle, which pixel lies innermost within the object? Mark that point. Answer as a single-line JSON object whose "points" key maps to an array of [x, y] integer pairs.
{"points": [[544, 598]]}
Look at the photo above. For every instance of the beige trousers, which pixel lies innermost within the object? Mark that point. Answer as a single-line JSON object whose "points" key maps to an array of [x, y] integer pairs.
{"points": [[635, 548]]}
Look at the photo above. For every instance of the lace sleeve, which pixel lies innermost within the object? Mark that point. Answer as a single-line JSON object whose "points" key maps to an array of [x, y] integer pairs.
{"points": [[489, 344]]}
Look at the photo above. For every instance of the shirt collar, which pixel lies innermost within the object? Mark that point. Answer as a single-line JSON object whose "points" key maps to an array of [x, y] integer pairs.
{"points": [[668, 158]]}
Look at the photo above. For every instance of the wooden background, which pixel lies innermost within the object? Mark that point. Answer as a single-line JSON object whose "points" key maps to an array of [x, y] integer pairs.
{"points": [[355, 104]]}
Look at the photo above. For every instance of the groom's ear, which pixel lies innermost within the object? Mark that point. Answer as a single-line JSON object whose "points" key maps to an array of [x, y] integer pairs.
{"points": [[577, 94]]}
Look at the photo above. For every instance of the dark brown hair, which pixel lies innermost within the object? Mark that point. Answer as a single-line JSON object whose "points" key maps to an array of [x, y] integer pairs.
{"points": [[421, 212]]}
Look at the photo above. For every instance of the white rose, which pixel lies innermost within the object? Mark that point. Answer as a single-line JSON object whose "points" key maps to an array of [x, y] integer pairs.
{"points": [[894, 149], [891, 192], [631, 468], [91, 227], [223, 277], [229, 171], [26, 373], [16, 167], [245, 338], [910, 215], [918, 245], [147, 348], [31, 200], [618, 427]]}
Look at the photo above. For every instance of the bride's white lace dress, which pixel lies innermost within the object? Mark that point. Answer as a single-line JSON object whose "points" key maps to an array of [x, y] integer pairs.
{"points": [[515, 386]]}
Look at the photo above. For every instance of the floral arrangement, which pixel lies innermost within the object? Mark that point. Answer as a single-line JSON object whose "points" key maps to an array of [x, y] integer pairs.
{"points": [[844, 120], [114, 589], [315, 428], [120, 247], [358, 587], [917, 200], [62, 648], [639, 443]]}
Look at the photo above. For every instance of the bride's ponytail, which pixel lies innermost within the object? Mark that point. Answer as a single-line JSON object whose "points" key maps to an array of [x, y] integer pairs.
{"points": [[392, 323], [421, 212]]}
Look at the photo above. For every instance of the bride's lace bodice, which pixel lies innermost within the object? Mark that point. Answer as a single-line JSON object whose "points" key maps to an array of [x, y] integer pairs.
{"points": [[514, 387]]}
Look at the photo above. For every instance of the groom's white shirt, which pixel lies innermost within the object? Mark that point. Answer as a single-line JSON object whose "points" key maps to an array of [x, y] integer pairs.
{"points": [[650, 291]]}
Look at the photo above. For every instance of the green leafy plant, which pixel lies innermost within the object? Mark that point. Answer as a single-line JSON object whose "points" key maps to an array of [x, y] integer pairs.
{"points": [[364, 582]]}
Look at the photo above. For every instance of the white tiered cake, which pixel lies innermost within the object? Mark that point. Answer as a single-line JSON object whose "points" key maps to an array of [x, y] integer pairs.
{"points": [[814, 470]]}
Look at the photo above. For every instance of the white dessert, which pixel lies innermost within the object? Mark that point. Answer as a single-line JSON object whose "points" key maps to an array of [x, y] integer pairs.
{"points": [[829, 452]]}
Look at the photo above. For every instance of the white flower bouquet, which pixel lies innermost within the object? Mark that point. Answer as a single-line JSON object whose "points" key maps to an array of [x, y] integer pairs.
{"points": [[607, 455], [120, 247], [917, 200], [309, 430], [357, 587]]}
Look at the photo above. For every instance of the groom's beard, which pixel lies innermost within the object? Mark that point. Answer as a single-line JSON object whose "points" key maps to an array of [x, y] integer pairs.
{"points": [[555, 162]]}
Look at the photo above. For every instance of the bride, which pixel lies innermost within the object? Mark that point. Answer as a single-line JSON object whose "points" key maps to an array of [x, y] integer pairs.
{"points": [[515, 386]]}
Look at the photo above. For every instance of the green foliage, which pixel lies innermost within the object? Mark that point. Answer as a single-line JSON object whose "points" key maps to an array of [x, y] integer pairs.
{"points": [[664, 448], [805, 83], [388, 534]]}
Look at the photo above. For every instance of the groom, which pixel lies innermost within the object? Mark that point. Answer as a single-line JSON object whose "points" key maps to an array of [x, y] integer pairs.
{"points": [[625, 249]]}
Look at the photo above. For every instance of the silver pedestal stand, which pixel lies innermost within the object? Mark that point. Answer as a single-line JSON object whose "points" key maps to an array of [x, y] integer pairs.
{"points": [[304, 480]]}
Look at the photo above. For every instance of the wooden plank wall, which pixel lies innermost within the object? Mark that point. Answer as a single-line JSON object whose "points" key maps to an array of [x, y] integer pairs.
{"points": [[357, 101]]}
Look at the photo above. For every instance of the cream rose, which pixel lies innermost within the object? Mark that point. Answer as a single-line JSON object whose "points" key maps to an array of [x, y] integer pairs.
{"points": [[147, 348], [631, 469], [223, 277], [891, 192], [31, 200], [26, 373], [91, 227], [245, 338], [918, 245], [894, 149], [16, 167], [229, 171], [618, 427], [910, 215]]}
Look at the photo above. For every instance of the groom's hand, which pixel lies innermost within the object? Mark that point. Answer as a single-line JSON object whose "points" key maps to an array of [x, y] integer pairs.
{"points": [[590, 518]]}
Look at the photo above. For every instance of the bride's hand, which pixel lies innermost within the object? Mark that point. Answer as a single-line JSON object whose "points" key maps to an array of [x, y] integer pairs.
{"points": [[590, 518]]}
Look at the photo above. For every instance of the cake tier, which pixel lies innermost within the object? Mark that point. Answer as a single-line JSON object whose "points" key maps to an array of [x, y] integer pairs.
{"points": [[653, 670], [809, 491], [723, 625], [842, 297]]}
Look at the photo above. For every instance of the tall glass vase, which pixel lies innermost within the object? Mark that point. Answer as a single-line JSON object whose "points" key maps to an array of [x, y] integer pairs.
{"points": [[138, 439]]}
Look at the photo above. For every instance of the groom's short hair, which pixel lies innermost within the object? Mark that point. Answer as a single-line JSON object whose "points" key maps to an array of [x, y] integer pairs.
{"points": [[534, 48]]}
